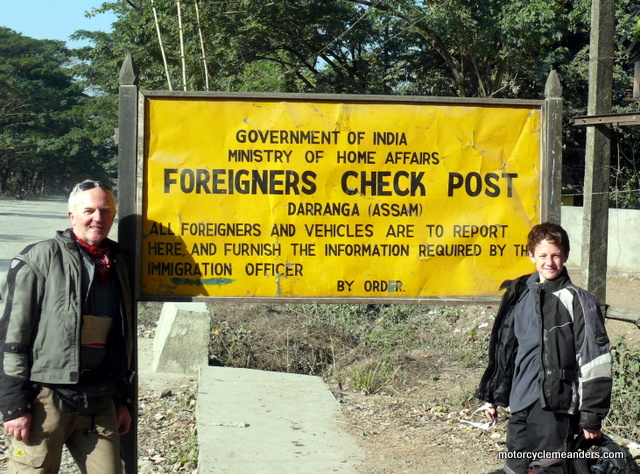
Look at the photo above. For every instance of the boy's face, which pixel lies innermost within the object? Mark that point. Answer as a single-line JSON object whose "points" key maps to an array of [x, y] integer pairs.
{"points": [[549, 259]]}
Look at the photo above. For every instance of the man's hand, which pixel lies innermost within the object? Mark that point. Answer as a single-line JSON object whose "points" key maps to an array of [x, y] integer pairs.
{"points": [[591, 434], [124, 420], [19, 427]]}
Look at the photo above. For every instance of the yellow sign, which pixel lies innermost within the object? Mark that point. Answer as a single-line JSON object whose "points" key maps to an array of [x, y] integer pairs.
{"points": [[247, 197]]}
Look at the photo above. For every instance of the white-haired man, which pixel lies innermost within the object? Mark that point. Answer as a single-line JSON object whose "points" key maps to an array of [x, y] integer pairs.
{"points": [[66, 343]]}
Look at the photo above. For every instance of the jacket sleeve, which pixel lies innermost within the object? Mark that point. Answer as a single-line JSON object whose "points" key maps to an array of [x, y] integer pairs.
{"points": [[24, 290], [594, 360], [495, 384]]}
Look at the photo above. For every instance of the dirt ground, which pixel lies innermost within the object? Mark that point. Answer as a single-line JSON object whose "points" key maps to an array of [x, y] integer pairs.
{"points": [[419, 430], [413, 429]]}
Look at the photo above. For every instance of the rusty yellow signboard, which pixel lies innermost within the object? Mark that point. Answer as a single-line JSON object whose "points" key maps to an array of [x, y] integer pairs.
{"points": [[252, 197]]}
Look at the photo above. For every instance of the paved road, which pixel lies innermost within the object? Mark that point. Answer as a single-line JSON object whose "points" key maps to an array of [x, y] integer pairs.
{"points": [[25, 222]]}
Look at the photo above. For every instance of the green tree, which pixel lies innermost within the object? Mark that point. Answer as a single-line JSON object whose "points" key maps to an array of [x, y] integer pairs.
{"points": [[294, 46], [492, 48], [42, 123], [626, 148]]}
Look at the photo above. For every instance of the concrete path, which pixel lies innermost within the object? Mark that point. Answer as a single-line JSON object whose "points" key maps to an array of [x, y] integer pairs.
{"points": [[250, 421]]}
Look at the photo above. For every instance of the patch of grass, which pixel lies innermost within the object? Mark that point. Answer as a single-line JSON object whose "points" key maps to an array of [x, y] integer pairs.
{"points": [[372, 378], [369, 347], [624, 416], [231, 345], [185, 451], [149, 313]]}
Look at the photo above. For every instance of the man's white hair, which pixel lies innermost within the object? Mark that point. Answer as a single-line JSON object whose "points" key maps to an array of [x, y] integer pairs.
{"points": [[85, 186]]}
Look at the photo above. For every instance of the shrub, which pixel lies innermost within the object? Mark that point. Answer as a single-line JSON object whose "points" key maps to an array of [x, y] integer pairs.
{"points": [[625, 400]]}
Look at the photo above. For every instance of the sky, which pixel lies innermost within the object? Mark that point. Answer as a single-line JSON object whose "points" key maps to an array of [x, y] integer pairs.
{"points": [[52, 19]]}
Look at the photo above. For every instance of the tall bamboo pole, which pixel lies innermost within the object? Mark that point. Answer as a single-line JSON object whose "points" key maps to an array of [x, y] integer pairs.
{"points": [[204, 55], [164, 56], [182, 53]]}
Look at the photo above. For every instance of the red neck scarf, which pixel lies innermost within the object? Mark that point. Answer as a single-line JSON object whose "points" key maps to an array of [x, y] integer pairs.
{"points": [[100, 256]]}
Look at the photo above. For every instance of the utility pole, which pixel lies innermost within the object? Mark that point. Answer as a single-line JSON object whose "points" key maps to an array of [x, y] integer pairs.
{"points": [[595, 225], [552, 143]]}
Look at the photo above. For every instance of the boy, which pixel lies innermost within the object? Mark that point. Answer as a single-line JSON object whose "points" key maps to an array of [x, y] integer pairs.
{"points": [[549, 359]]}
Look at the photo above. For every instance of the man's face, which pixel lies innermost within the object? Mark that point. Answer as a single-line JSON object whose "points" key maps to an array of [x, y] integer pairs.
{"points": [[93, 215], [549, 260]]}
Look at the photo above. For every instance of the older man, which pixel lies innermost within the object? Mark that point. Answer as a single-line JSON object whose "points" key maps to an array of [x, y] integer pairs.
{"points": [[66, 342]]}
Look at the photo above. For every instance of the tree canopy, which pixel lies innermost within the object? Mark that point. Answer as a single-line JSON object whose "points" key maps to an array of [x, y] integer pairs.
{"points": [[491, 48], [45, 138]]}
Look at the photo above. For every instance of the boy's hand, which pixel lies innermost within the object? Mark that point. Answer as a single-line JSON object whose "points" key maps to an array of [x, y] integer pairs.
{"points": [[591, 434], [491, 412]]}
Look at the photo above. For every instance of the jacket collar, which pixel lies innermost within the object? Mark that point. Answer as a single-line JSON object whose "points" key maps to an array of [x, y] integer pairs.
{"points": [[553, 285]]}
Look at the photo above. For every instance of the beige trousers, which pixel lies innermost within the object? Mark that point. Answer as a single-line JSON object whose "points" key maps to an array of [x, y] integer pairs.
{"points": [[96, 451]]}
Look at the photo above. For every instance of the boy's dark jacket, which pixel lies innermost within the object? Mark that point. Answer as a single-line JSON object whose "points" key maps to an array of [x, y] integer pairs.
{"points": [[575, 374]]}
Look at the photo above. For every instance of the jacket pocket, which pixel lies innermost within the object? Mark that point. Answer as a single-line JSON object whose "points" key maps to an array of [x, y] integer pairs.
{"points": [[16, 365], [561, 391]]}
